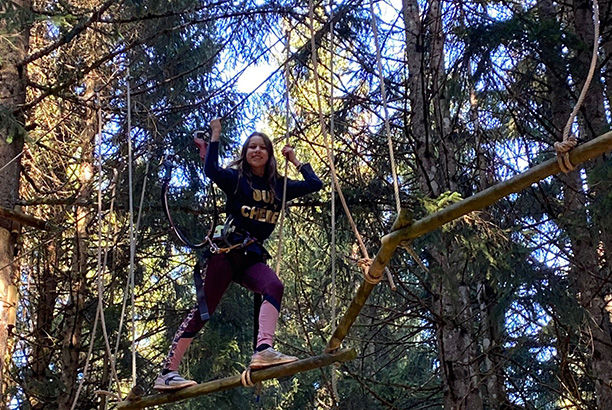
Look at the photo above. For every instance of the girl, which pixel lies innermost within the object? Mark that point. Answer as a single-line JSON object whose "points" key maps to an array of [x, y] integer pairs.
{"points": [[254, 192]]}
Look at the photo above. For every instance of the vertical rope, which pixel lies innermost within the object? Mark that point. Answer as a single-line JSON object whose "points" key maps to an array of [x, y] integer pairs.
{"points": [[334, 313], [130, 285], [569, 141], [102, 263], [132, 241], [281, 223], [99, 276], [313, 53], [362, 247], [383, 93]]}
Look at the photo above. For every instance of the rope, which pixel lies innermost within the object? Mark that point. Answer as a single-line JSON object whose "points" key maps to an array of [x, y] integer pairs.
{"points": [[383, 93], [245, 378], [103, 263], [129, 285], [281, 223], [142, 193], [330, 159], [99, 270], [334, 313], [90, 349], [132, 233], [569, 141], [406, 245]]}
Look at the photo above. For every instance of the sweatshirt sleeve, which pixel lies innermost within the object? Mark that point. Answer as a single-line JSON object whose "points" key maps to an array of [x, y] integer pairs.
{"points": [[310, 184], [226, 179]]}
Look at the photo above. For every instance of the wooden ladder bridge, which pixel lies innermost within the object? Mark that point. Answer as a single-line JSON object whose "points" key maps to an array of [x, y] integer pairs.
{"points": [[403, 229]]}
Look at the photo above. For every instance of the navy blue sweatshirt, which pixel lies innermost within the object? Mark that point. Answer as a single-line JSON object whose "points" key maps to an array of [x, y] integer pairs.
{"points": [[253, 207]]}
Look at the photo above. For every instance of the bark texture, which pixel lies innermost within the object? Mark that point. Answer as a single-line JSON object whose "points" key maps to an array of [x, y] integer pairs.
{"points": [[430, 130], [72, 357], [13, 49], [589, 266]]}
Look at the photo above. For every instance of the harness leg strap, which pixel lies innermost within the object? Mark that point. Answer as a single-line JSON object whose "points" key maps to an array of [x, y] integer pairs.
{"points": [[199, 272], [257, 301]]}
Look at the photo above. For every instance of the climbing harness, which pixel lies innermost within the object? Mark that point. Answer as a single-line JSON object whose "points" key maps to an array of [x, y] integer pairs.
{"points": [[222, 239]]}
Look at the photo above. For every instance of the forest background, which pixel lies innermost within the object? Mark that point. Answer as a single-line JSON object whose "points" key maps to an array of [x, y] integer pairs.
{"points": [[510, 307]]}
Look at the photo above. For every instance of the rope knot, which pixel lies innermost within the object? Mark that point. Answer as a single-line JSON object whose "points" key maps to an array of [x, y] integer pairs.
{"points": [[365, 264], [245, 378], [563, 148]]}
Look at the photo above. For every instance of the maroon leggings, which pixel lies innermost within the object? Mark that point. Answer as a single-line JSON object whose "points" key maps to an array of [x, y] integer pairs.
{"points": [[245, 269]]}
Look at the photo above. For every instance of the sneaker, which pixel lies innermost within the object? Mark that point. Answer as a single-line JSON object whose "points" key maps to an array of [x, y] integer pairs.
{"points": [[270, 357], [172, 381]]}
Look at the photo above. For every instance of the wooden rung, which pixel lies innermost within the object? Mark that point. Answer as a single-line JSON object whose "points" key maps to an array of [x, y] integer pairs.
{"points": [[24, 219], [289, 369]]}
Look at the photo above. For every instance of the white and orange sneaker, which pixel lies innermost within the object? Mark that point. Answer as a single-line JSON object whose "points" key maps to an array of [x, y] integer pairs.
{"points": [[172, 381], [270, 357]]}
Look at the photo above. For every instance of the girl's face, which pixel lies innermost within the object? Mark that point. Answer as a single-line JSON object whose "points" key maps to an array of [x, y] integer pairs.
{"points": [[257, 155]]}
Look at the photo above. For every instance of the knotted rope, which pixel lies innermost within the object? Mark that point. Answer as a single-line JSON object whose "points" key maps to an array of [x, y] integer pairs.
{"points": [[245, 378], [564, 147], [365, 264]]}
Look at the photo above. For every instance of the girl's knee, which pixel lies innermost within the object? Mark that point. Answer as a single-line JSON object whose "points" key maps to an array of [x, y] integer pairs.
{"points": [[191, 325], [275, 289]]}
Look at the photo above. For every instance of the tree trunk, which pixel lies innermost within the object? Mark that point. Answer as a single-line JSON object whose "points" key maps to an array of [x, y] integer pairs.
{"points": [[487, 296], [455, 335], [595, 120], [587, 262], [13, 49], [492, 348], [74, 313], [436, 165], [415, 58], [559, 96], [591, 267], [45, 282]]}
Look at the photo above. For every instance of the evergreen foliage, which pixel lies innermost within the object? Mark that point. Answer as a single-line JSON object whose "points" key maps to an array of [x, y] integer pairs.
{"points": [[506, 308]]}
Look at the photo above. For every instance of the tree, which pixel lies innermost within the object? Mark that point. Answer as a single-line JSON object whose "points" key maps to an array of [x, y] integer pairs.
{"points": [[496, 310], [14, 41]]}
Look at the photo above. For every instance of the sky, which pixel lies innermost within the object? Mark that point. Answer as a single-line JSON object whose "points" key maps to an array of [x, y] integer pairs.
{"points": [[256, 74]]}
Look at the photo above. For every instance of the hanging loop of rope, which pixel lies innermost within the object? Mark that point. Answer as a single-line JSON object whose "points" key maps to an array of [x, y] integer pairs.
{"points": [[168, 164], [564, 147]]}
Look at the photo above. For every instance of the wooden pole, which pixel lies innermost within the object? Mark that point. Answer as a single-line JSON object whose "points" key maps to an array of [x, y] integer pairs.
{"points": [[24, 219], [390, 242], [234, 381]]}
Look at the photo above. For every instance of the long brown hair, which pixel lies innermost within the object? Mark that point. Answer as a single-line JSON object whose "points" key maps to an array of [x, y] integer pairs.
{"points": [[244, 169]]}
